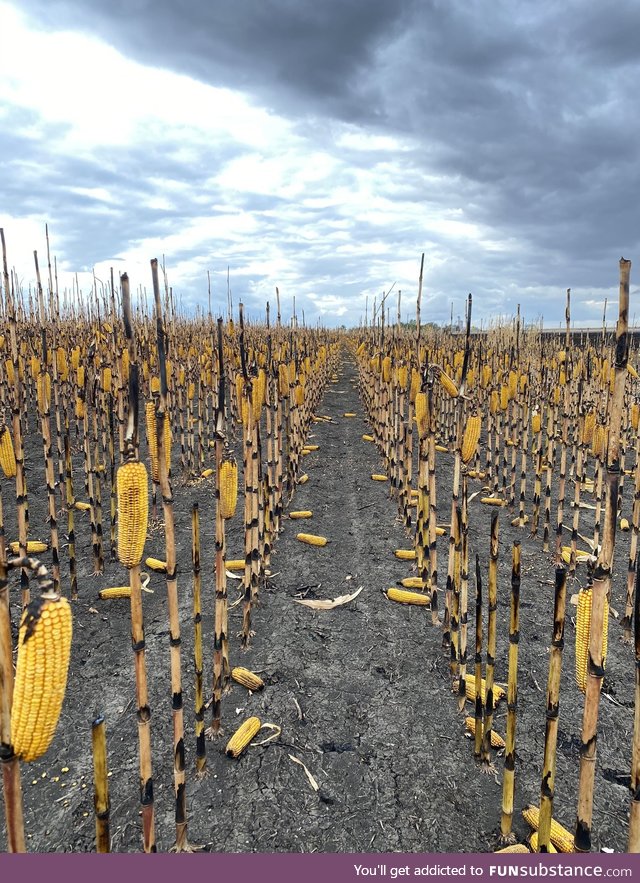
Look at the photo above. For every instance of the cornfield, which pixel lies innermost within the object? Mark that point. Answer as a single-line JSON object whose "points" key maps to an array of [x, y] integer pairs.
{"points": [[358, 669]]}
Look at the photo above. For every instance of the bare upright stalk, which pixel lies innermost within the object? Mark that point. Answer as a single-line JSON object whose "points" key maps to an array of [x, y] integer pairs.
{"points": [[634, 817], [508, 782], [101, 785], [602, 578], [553, 708], [491, 640]]}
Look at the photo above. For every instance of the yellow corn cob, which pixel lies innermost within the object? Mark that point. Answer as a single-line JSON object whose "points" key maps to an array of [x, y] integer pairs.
{"points": [[422, 414], [447, 384], [303, 479], [504, 397], [312, 540], [299, 396], [599, 440], [152, 438], [34, 364], [247, 678], [242, 736], [283, 381], [403, 376], [207, 473], [475, 473], [302, 513], [412, 582], [11, 374], [442, 449], [80, 377], [349, 414], [378, 477], [583, 636], [44, 646], [470, 689], [115, 592], [386, 369], [312, 447], [228, 486], [156, 565], [44, 392], [61, 364], [405, 554], [7, 454], [581, 555], [81, 506], [235, 564], [496, 740], [258, 391], [589, 427], [107, 379], [34, 547], [80, 408], [132, 486], [563, 377], [635, 416], [471, 437], [191, 390], [632, 371], [518, 848], [533, 842], [536, 422], [415, 385], [367, 438], [492, 501], [405, 597], [125, 364], [494, 401], [559, 836]]}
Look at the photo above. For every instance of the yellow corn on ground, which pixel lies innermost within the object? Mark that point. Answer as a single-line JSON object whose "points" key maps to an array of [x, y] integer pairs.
{"points": [[405, 554], [368, 438], [132, 488], [496, 740], [235, 564], [471, 438], [247, 678], [442, 449], [312, 447], [301, 513], [583, 634], [402, 596], [81, 506], [242, 736], [474, 473], [470, 689], [349, 414], [624, 524], [115, 592], [559, 836], [581, 556], [412, 582], [7, 454], [44, 647], [588, 428], [312, 540], [492, 501], [228, 487], [207, 473], [533, 842], [33, 547], [303, 479], [517, 848], [156, 565]]}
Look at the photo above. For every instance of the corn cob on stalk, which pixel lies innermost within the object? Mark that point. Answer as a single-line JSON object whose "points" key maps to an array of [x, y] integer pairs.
{"points": [[228, 486], [133, 511], [152, 436], [247, 678], [447, 384], [404, 597], [312, 540], [7, 454], [242, 737], [560, 837], [471, 438], [44, 647], [583, 630], [156, 565], [498, 691]]}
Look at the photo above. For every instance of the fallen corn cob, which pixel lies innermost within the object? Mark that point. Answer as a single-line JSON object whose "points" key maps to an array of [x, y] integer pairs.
{"points": [[349, 414], [242, 736], [312, 540], [368, 438], [33, 547], [533, 842], [404, 597], [156, 565], [44, 646], [247, 678], [304, 478], [377, 477], [559, 836], [81, 506], [496, 740], [492, 501], [302, 513], [405, 554], [235, 564], [207, 473], [412, 582], [519, 848], [115, 592], [470, 689]]}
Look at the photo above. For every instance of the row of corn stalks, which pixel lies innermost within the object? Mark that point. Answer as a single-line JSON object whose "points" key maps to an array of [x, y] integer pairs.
{"points": [[79, 378], [545, 427]]}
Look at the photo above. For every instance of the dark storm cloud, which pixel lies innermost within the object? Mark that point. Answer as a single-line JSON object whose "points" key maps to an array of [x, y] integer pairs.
{"points": [[519, 118]]}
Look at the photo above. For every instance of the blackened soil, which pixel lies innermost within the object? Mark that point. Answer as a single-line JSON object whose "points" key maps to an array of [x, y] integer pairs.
{"points": [[362, 692]]}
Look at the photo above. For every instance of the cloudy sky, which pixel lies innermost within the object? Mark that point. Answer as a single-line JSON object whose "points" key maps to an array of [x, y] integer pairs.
{"points": [[322, 146]]}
